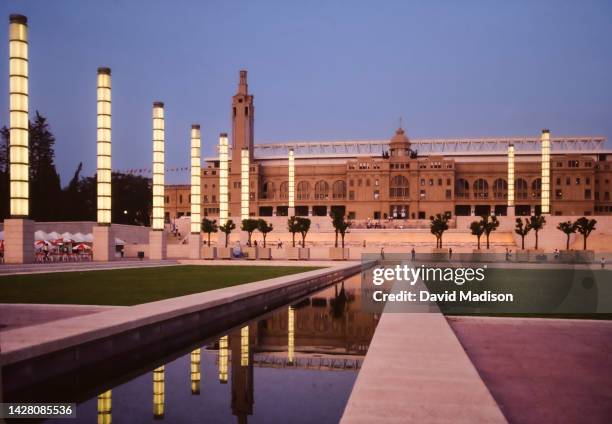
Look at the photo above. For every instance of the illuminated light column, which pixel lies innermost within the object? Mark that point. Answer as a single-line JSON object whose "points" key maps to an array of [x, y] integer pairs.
{"points": [[545, 189], [195, 372], [244, 346], [195, 238], [223, 185], [244, 184], [103, 238], [158, 392], [291, 335], [291, 188], [223, 359], [510, 211], [105, 408], [18, 230], [157, 235]]}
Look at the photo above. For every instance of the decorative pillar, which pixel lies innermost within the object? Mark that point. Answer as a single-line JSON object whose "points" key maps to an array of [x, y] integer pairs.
{"points": [[223, 359], [223, 185], [510, 211], [158, 392], [545, 189], [18, 230], [291, 335], [195, 371], [291, 188], [195, 238], [157, 235], [244, 184], [103, 238], [105, 408]]}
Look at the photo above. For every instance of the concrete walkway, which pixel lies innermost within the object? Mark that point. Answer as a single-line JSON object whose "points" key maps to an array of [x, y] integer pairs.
{"points": [[23, 315], [417, 371], [40, 268]]}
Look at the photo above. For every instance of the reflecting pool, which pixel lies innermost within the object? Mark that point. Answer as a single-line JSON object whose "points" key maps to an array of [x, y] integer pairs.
{"points": [[296, 364]]}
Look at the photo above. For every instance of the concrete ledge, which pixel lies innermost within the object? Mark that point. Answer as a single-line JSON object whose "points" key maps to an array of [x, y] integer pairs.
{"points": [[37, 353]]}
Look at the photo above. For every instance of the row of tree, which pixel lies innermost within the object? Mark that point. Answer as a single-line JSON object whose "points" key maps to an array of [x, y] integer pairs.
{"points": [[76, 201]]}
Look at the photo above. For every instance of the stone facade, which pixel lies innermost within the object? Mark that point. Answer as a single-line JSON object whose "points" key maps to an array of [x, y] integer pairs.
{"points": [[400, 182]]}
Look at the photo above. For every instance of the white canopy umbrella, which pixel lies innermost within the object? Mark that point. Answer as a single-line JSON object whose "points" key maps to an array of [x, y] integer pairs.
{"points": [[68, 237], [41, 235], [119, 242], [53, 235], [88, 238], [78, 237]]}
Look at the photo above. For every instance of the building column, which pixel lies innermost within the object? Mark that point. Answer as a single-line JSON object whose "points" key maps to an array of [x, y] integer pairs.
{"points": [[223, 186], [244, 191], [545, 189], [195, 238], [510, 211], [103, 237], [291, 188], [157, 235]]}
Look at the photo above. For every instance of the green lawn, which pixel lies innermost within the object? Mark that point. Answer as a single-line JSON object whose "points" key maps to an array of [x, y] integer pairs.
{"points": [[131, 286]]}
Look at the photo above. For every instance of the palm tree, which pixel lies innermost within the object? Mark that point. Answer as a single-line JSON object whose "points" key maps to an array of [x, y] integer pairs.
{"points": [[489, 224], [585, 226], [477, 229], [227, 229], [209, 226], [536, 223], [437, 226], [264, 228], [568, 228], [522, 229]]}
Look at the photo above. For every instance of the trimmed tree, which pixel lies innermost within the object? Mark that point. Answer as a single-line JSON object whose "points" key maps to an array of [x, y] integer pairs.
{"points": [[585, 226], [264, 228], [537, 222], [209, 226], [227, 229], [293, 225], [477, 229], [437, 226], [304, 227], [568, 228], [522, 229], [340, 225], [249, 225], [489, 224]]}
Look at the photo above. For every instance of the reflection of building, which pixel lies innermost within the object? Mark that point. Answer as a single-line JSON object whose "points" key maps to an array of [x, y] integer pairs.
{"points": [[379, 179], [195, 371], [223, 358], [105, 408], [158, 392], [242, 375]]}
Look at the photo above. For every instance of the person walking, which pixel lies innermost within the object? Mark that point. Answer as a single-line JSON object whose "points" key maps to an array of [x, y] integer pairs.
{"points": [[382, 253], [413, 254], [603, 262], [450, 253]]}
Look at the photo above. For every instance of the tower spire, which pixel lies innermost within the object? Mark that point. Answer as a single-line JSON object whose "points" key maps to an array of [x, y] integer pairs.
{"points": [[243, 87]]}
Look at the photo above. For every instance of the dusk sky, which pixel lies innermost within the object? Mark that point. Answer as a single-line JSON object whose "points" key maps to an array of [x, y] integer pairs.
{"points": [[329, 70]]}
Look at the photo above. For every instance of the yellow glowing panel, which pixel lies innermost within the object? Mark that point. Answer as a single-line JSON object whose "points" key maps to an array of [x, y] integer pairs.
{"points": [[195, 179], [105, 407], [195, 371], [158, 166], [545, 191], [244, 346], [158, 391], [244, 184], [18, 117], [104, 146], [223, 359], [291, 334], [223, 180], [291, 189], [511, 175]]}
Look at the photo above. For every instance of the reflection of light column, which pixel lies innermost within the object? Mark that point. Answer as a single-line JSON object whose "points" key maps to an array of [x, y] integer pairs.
{"points": [[291, 188], [158, 392], [104, 146], [244, 346], [105, 408], [244, 184], [18, 119], [223, 179], [18, 231], [158, 166], [545, 189], [195, 372], [195, 180], [223, 358], [291, 334], [510, 211]]}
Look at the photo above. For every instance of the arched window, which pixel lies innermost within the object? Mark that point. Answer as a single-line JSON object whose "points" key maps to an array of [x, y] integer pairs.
{"points": [[536, 188], [303, 190], [321, 190], [462, 189], [339, 190], [481, 189], [267, 190], [500, 189], [520, 188], [283, 192], [399, 187]]}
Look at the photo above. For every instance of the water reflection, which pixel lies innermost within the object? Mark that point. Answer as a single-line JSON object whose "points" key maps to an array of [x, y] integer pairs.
{"points": [[305, 358]]}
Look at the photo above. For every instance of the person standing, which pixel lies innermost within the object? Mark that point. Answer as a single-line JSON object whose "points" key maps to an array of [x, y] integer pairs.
{"points": [[413, 254]]}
